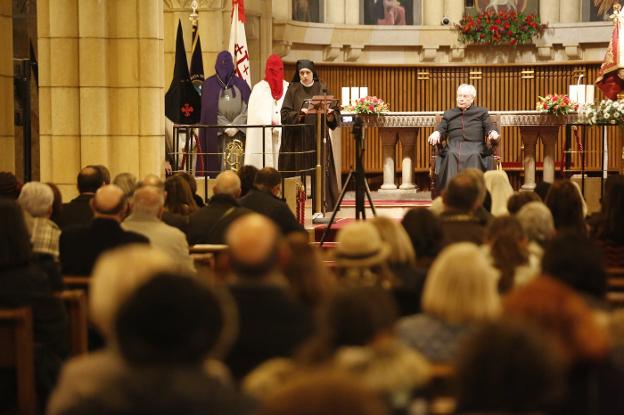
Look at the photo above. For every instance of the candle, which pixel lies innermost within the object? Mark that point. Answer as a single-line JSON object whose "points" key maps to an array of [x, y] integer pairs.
{"points": [[355, 94], [345, 96]]}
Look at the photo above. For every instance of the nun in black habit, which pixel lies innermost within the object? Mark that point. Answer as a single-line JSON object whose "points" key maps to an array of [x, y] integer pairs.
{"points": [[305, 84]]}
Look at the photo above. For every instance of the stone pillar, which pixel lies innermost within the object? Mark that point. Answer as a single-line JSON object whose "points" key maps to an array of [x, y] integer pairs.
{"points": [[433, 11], [549, 139], [282, 9], [408, 137], [352, 11], [335, 12], [454, 10], [529, 141], [101, 87], [571, 13], [388, 140], [7, 138], [549, 11]]}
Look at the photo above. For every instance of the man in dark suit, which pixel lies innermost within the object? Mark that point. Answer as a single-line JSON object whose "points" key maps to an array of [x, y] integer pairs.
{"points": [[263, 198], [209, 224], [462, 197], [80, 246], [270, 324], [78, 210]]}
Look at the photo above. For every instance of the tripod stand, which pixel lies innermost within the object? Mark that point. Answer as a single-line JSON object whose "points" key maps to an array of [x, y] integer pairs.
{"points": [[361, 186]]}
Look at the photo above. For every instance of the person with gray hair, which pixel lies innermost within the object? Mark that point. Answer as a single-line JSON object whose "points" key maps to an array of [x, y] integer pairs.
{"points": [[145, 219], [537, 222], [36, 200], [209, 224], [127, 182], [464, 128]]}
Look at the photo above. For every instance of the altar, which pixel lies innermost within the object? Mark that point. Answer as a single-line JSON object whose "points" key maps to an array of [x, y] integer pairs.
{"points": [[404, 128]]}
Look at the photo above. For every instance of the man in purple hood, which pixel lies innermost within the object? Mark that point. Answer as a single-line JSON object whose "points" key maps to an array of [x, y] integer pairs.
{"points": [[224, 102]]}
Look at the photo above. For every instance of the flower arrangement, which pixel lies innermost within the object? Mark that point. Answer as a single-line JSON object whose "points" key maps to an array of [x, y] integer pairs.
{"points": [[604, 112], [502, 28], [368, 105], [556, 104]]}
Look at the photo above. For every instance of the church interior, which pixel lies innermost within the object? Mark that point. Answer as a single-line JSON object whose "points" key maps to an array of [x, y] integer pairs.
{"points": [[480, 141]]}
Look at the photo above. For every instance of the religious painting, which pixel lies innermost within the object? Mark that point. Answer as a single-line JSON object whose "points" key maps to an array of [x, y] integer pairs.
{"points": [[524, 6], [591, 12], [388, 12], [306, 10]]}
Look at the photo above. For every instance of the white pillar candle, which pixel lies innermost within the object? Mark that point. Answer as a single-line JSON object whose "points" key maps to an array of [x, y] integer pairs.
{"points": [[589, 94], [573, 94], [345, 96], [363, 91], [355, 94]]}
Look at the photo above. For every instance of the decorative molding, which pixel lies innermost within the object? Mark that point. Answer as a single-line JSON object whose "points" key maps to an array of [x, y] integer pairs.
{"points": [[429, 54], [331, 52], [545, 52], [573, 51], [458, 53], [281, 48], [186, 4], [353, 52]]}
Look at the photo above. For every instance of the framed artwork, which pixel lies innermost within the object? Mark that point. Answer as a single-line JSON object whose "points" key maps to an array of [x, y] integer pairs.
{"points": [[524, 6], [388, 12], [307, 10]]}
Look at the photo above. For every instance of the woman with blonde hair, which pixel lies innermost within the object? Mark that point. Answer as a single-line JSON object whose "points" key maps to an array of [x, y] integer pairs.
{"points": [[497, 183], [460, 292]]}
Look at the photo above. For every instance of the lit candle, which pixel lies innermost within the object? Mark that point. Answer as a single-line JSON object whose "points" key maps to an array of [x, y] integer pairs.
{"points": [[345, 96]]}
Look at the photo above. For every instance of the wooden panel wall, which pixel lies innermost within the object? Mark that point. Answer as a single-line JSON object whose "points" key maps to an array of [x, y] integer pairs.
{"points": [[432, 88]]}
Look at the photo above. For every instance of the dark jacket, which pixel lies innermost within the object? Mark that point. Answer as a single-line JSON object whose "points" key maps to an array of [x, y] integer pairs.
{"points": [[276, 209], [28, 285], [77, 212], [461, 228], [270, 325], [209, 224], [81, 246]]}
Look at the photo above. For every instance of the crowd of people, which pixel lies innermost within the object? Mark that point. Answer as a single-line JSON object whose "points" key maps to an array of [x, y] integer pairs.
{"points": [[506, 289]]}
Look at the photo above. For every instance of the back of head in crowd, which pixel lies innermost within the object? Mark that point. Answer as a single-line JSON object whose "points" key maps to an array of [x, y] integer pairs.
{"points": [[109, 202], [508, 248], [247, 176], [89, 179], [461, 286], [267, 179], [507, 367], [461, 194], [537, 222], [9, 185], [126, 182], [15, 248], [566, 205], [227, 183], [36, 198], [170, 320], [254, 246], [425, 232], [323, 393], [575, 260], [517, 200]]}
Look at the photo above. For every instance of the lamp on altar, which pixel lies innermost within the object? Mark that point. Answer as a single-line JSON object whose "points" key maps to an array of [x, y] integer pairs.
{"points": [[581, 93]]}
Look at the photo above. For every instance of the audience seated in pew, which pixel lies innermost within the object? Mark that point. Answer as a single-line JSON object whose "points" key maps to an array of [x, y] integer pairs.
{"points": [[24, 283], [160, 366], [80, 246], [608, 229], [567, 206], [78, 212]]}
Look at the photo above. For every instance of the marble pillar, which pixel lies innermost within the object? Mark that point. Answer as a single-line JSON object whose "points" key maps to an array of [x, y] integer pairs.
{"points": [[433, 11], [352, 11], [454, 10], [571, 13], [7, 138], [282, 9], [335, 12], [549, 10], [101, 88]]}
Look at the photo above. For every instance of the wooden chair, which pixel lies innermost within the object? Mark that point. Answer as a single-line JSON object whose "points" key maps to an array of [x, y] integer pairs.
{"points": [[16, 351], [209, 261], [76, 305], [79, 282], [441, 392], [494, 159]]}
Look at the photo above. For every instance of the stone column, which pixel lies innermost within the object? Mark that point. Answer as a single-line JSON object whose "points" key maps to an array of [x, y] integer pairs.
{"points": [[352, 11], [335, 12], [529, 141], [388, 140], [549, 139], [433, 11], [282, 9], [549, 11], [7, 138], [571, 13], [454, 10], [101, 87], [408, 137]]}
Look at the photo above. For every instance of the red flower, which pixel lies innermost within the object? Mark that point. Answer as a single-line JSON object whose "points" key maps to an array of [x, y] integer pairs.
{"points": [[514, 41], [371, 108], [498, 21], [507, 25], [481, 36], [545, 106]]}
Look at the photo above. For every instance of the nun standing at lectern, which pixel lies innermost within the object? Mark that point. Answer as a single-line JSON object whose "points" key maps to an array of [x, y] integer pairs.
{"points": [[305, 85]]}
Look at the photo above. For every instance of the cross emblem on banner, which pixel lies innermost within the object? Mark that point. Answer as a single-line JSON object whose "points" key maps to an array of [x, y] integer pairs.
{"points": [[187, 110]]}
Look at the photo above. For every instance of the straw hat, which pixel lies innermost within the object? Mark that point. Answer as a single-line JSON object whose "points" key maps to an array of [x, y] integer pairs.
{"points": [[359, 245]]}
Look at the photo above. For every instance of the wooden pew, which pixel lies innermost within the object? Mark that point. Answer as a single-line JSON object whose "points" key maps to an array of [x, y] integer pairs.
{"points": [[76, 305], [615, 286], [16, 351], [79, 282]]}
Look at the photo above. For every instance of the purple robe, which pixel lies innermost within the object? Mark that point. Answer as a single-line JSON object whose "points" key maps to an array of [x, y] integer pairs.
{"points": [[211, 90]]}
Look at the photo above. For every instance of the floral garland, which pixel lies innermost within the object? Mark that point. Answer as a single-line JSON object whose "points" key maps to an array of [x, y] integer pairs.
{"points": [[556, 104], [502, 28], [368, 105], [604, 112]]}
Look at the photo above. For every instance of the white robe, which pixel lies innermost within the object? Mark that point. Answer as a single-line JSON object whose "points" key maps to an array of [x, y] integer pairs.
{"points": [[263, 109]]}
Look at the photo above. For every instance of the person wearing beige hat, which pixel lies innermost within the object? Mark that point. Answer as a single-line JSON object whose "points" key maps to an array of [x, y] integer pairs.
{"points": [[362, 256]]}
